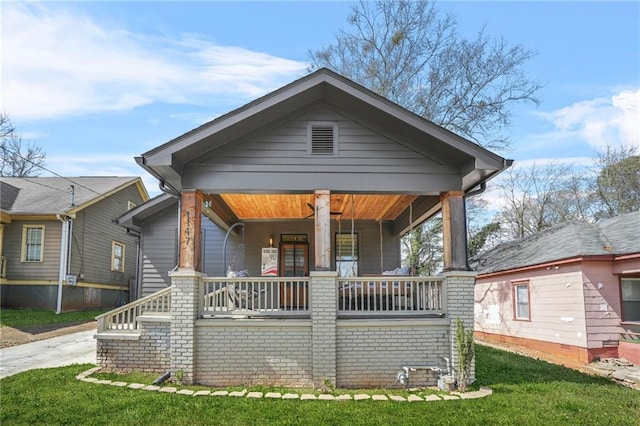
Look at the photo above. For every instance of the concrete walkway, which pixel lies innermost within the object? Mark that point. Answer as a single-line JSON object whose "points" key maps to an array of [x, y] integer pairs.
{"points": [[74, 348]]}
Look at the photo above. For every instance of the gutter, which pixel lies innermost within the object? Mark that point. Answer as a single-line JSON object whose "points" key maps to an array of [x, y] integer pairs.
{"points": [[164, 186], [66, 223]]}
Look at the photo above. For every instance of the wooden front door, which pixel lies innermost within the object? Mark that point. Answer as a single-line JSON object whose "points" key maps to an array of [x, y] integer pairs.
{"points": [[294, 262]]}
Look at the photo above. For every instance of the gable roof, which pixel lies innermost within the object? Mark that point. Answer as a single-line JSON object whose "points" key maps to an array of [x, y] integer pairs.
{"points": [[52, 195], [167, 161], [615, 236]]}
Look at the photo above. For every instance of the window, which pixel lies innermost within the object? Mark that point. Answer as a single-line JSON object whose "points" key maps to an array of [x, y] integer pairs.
{"points": [[347, 255], [32, 243], [630, 299], [117, 256], [322, 137], [521, 306]]}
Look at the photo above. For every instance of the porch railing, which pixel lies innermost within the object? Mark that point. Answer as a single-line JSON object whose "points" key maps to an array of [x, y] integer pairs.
{"points": [[255, 296], [388, 296], [125, 318]]}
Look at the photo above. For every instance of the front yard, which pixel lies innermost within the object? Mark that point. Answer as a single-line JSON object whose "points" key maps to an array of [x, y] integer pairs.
{"points": [[526, 392]]}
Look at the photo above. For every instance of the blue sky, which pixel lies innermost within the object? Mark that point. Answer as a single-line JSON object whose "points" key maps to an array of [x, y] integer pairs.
{"points": [[97, 83]]}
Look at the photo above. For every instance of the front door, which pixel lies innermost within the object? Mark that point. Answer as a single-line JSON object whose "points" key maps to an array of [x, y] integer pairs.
{"points": [[294, 262]]}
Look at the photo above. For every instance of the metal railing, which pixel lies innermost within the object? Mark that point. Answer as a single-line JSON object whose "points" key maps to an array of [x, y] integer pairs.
{"points": [[254, 296], [125, 318], [392, 295]]}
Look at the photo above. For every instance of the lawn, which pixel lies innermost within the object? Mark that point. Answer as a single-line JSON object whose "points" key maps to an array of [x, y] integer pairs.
{"points": [[526, 392], [36, 317]]}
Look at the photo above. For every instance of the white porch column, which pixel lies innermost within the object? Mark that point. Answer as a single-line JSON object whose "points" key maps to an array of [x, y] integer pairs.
{"points": [[322, 229]]}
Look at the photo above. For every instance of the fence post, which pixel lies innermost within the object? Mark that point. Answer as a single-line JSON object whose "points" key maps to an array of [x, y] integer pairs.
{"points": [[324, 305]]}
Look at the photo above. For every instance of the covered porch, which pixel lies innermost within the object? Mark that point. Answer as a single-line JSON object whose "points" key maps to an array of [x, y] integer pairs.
{"points": [[327, 167]]}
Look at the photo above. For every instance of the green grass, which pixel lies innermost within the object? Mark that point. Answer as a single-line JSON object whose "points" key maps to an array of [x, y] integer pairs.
{"points": [[526, 392], [35, 317]]}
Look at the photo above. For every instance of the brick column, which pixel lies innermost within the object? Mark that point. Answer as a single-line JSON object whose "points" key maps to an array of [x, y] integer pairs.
{"points": [[185, 285], [459, 293], [324, 306]]}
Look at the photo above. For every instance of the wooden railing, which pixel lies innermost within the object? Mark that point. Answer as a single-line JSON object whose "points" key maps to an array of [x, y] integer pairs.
{"points": [[125, 318], [390, 295], [254, 296]]}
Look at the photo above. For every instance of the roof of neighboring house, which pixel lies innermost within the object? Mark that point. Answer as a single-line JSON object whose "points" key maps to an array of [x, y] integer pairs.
{"points": [[53, 195], [618, 235], [137, 215]]}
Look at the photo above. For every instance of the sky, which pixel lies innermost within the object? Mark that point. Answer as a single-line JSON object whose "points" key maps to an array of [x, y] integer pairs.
{"points": [[98, 83]]}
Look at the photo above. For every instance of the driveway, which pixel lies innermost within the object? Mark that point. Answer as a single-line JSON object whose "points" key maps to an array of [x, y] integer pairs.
{"points": [[74, 348]]}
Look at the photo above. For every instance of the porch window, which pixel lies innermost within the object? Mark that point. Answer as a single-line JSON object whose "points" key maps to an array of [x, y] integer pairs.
{"points": [[117, 256], [32, 243], [521, 301], [347, 255], [630, 299]]}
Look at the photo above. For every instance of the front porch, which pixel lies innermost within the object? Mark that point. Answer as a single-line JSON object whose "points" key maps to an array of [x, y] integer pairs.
{"points": [[351, 332]]}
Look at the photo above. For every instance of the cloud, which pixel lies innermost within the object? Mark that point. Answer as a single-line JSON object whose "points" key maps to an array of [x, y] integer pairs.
{"points": [[59, 62], [606, 121]]}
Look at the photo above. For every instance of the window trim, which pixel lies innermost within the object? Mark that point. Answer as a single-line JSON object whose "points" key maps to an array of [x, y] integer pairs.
{"points": [[23, 254], [514, 299], [622, 299], [113, 256], [131, 205]]}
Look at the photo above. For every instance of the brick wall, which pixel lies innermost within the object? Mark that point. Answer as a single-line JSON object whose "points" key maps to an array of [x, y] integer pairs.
{"points": [[249, 352], [185, 287], [371, 353], [459, 304], [149, 352]]}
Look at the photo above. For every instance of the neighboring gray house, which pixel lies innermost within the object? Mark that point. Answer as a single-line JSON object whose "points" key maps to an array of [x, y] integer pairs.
{"points": [[317, 182], [59, 246], [572, 291]]}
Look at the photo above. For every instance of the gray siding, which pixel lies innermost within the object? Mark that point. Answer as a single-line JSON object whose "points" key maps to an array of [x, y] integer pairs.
{"points": [[159, 250], [93, 233], [32, 271], [366, 160], [257, 236], [358, 146]]}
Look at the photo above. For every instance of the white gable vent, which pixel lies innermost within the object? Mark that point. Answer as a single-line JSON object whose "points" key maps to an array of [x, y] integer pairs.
{"points": [[322, 138]]}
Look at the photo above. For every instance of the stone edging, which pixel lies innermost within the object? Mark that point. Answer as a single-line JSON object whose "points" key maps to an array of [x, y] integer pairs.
{"points": [[276, 395]]}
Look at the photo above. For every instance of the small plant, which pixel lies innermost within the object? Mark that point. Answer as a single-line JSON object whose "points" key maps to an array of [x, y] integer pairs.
{"points": [[328, 384], [466, 352], [179, 376]]}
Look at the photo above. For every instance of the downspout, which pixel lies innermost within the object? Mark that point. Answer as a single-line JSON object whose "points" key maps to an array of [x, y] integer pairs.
{"points": [[64, 257]]}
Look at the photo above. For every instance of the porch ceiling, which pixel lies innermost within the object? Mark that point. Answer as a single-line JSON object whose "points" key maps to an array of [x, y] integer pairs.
{"points": [[295, 206]]}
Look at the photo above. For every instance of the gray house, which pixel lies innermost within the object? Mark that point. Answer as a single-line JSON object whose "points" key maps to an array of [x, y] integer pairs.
{"points": [[59, 247], [156, 224], [315, 183]]}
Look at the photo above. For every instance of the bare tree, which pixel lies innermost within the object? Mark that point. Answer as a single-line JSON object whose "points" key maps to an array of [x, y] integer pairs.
{"points": [[410, 53], [617, 184], [538, 198], [18, 160]]}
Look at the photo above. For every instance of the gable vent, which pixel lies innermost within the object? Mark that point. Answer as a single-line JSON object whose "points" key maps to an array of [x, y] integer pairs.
{"points": [[322, 138]]}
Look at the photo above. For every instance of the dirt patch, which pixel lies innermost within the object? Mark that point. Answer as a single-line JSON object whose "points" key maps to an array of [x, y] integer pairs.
{"points": [[10, 336]]}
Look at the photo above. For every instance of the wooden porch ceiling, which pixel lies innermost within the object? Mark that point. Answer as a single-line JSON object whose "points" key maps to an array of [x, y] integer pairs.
{"points": [[296, 206]]}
